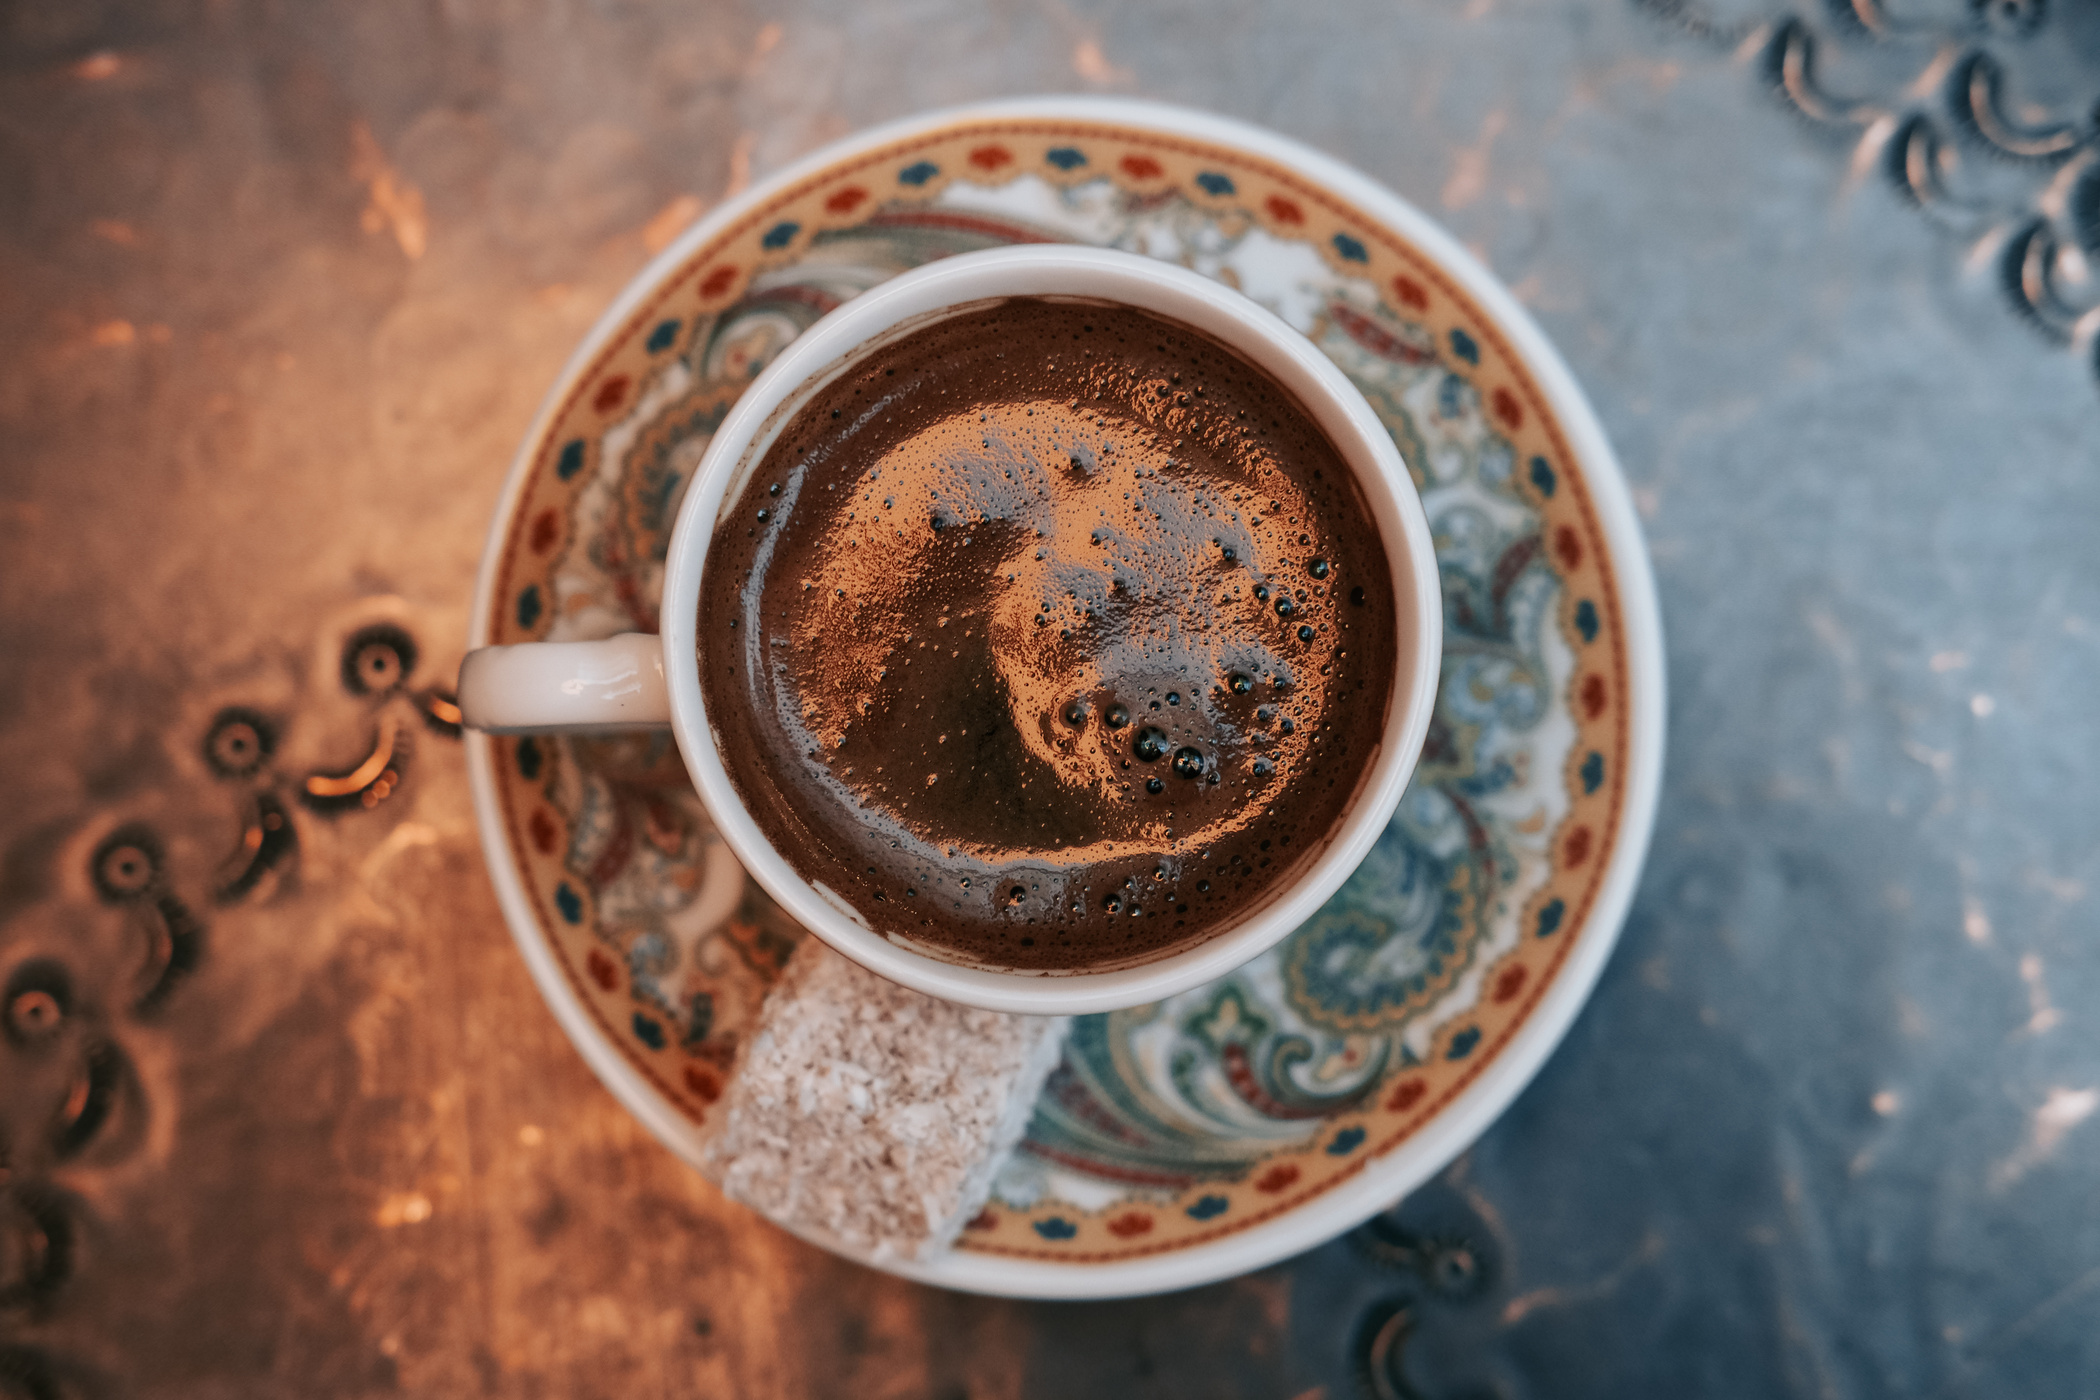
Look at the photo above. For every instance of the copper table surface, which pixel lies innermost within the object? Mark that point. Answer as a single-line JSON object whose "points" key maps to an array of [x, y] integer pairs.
{"points": [[281, 285]]}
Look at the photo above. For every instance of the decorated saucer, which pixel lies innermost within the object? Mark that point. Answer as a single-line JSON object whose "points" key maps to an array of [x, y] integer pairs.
{"points": [[1255, 1117]]}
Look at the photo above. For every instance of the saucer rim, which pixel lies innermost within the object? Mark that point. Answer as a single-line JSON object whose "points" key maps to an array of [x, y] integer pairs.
{"points": [[1436, 1143]]}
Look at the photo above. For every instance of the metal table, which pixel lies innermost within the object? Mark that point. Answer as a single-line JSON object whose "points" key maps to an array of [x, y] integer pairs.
{"points": [[280, 287]]}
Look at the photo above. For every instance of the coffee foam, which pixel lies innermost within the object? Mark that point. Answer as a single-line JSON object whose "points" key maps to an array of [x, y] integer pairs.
{"points": [[953, 574]]}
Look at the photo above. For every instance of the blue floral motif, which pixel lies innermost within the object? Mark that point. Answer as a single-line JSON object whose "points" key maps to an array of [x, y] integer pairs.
{"points": [[1550, 917], [1063, 157], [1592, 772], [1464, 346], [1350, 248], [665, 334], [1056, 1228], [529, 606], [1345, 1142], [1228, 1020], [1208, 1208], [657, 468], [1276, 1087], [571, 460], [700, 1018], [1452, 396], [1213, 183], [1542, 476], [1386, 944], [649, 1031], [1462, 1044], [781, 234], [1586, 620], [650, 959], [918, 174], [569, 902]]}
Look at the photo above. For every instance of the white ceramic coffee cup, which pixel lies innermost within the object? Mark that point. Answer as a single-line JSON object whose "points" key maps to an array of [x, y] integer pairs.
{"points": [[636, 680]]}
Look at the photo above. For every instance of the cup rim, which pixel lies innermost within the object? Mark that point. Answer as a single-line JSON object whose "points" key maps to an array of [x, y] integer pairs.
{"points": [[836, 342]]}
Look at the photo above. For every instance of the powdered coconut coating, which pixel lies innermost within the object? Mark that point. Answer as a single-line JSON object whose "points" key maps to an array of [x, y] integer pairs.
{"points": [[874, 1117]]}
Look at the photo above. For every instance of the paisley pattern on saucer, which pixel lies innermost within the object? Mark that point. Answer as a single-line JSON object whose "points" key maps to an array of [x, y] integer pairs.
{"points": [[1177, 1123]]}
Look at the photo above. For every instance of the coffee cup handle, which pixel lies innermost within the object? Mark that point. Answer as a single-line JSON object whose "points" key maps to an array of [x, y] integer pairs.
{"points": [[546, 687]]}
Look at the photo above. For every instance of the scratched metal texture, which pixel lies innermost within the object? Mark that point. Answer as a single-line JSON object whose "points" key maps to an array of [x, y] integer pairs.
{"points": [[280, 286]]}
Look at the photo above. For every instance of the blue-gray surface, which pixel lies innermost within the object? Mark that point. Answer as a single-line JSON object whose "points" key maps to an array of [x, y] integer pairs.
{"points": [[292, 278]]}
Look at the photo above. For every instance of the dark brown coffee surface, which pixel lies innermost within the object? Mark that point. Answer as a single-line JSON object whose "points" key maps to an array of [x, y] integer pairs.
{"points": [[1055, 637]]}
